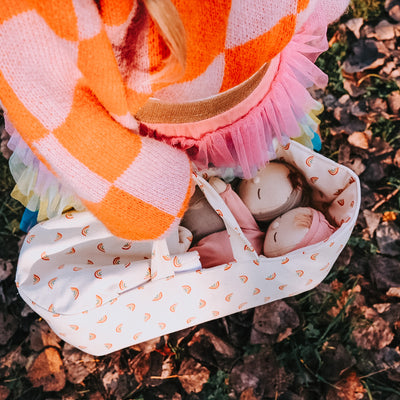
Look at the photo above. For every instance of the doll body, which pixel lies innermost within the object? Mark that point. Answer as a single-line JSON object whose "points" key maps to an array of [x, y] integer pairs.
{"points": [[215, 248], [297, 228]]}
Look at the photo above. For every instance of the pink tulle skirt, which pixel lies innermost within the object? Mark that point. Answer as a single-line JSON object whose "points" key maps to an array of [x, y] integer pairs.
{"points": [[245, 136]]}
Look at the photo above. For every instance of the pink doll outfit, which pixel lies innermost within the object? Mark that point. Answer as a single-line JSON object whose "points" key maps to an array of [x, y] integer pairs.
{"points": [[215, 249]]}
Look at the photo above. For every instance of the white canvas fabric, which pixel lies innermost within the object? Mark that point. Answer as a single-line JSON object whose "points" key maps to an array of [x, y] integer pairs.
{"points": [[101, 294]]}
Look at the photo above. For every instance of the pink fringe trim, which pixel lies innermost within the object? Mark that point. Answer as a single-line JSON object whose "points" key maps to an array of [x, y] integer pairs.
{"points": [[247, 143]]}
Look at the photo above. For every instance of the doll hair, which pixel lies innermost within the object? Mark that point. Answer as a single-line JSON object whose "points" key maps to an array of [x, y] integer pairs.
{"points": [[304, 220]]}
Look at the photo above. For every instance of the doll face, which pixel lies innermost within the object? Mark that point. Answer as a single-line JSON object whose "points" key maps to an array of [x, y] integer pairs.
{"points": [[267, 192], [284, 234]]}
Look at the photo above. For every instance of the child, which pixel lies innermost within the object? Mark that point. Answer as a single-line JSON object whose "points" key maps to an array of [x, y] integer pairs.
{"points": [[111, 100]]}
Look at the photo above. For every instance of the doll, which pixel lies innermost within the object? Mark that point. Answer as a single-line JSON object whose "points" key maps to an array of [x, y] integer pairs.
{"points": [[297, 228], [276, 188], [215, 248], [200, 218]]}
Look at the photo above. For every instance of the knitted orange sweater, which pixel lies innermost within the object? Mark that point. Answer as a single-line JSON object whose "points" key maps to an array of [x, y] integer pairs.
{"points": [[74, 74]]}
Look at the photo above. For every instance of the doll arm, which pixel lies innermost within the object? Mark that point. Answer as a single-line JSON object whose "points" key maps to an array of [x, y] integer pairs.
{"points": [[62, 90]]}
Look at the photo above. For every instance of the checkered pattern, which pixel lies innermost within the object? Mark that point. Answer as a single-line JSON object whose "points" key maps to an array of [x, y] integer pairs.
{"points": [[71, 77]]}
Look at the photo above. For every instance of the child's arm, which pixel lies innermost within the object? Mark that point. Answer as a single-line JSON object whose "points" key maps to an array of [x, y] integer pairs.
{"points": [[63, 92]]}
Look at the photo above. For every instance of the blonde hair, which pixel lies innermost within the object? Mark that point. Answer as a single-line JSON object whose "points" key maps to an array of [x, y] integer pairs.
{"points": [[166, 17]]}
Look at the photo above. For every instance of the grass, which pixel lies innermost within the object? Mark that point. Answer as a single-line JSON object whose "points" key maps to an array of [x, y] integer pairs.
{"points": [[10, 214]]}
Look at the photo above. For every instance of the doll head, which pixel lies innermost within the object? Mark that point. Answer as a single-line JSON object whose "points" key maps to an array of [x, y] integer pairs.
{"points": [[200, 218], [297, 228], [276, 188]]}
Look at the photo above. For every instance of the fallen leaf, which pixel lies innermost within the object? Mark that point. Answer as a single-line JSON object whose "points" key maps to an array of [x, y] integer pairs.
{"points": [[384, 31], [12, 360], [116, 384], [384, 272], [355, 25], [96, 396], [78, 365], [393, 292], [377, 105], [335, 361], [353, 89], [6, 269], [148, 346], [353, 294], [365, 56], [8, 327], [4, 138], [193, 376], [394, 101], [373, 220], [4, 392], [148, 368], [348, 388], [388, 238], [248, 394], [209, 348], [396, 159], [41, 336], [388, 359], [252, 373], [274, 318], [372, 334], [393, 9], [47, 370], [359, 139], [389, 216]]}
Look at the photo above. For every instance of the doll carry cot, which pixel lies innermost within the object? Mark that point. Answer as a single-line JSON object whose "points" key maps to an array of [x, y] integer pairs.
{"points": [[96, 295]]}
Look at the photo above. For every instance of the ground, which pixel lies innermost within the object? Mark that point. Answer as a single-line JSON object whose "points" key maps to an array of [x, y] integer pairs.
{"points": [[337, 341]]}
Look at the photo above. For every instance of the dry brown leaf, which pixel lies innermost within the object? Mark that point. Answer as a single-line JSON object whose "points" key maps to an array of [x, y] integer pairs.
{"points": [[209, 348], [77, 364], [96, 396], [359, 139], [192, 376], [4, 138], [396, 159], [374, 334], [388, 239], [41, 336], [377, 105], [12, 359], [5, 269], [48, 371], [372, 219], [344, 298], [348, 388], [367, 54], [249, 394], [393, 292], [394, 101], [274, 319], [355, 25], [148, 346], [4, 392], [393, 9], [382, 307], [8, 326]]}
